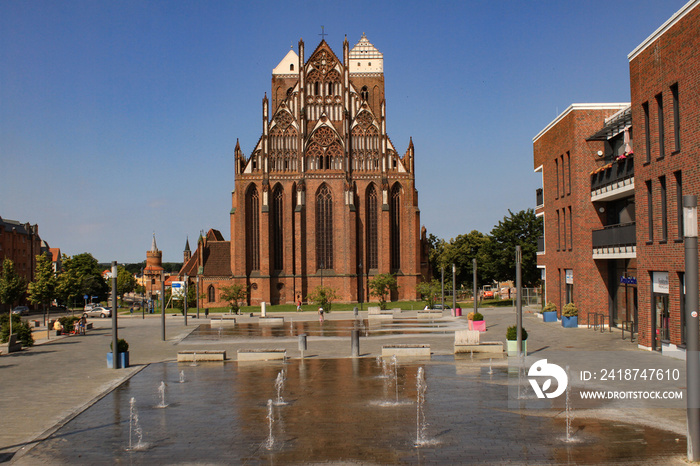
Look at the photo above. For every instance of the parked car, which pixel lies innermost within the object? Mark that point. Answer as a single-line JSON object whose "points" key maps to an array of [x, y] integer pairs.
{"points": [[90, 306], [58, 309], [99, 311], [21, 310]]}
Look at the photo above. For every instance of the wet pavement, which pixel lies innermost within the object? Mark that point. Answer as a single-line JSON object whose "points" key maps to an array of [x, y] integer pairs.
{"points": [[337, 409]]}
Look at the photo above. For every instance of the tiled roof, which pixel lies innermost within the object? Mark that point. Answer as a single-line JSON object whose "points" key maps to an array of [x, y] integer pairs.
{"points": [[217, 259]]}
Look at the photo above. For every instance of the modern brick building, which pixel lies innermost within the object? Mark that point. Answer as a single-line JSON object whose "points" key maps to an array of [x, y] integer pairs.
{"points": [[324, 198], [613, 239], [21, 243], [665, 96]]}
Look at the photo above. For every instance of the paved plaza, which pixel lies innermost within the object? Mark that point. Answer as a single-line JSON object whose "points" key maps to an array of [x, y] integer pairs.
{"points": [[45, 387]]}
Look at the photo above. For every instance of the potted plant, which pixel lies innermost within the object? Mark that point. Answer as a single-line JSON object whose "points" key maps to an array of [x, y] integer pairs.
{"points": [[512, 340], [122, 351], [569, 316], [476, 321], [549, 312]]}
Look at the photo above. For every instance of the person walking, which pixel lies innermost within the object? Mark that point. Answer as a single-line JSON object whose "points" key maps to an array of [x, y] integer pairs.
{"points": [[320, 314]]}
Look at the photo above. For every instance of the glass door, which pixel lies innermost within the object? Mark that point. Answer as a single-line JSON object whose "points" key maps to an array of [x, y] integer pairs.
{"points": [[661, 320]]}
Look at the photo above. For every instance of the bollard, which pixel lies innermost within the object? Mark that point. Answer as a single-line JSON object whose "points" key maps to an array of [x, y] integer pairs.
{"points": [[302, 344], [355, 311], [355, 343]]}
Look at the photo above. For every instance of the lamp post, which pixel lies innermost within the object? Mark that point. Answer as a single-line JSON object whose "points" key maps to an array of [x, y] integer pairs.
{"points": [[454, 288], [476, 305], [692, 361], [518, 302], [143, 304], [197, 296], [162, 308], [442, 286], [115, 348], [362, 292], [184, 301]]}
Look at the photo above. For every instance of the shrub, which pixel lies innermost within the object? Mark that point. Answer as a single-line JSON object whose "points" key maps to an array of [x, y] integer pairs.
{"points": [[68, 323], [477, 316], [512, 333], [122, 346], [550, 307], [570, 310], [470, 316], [21, 329]]}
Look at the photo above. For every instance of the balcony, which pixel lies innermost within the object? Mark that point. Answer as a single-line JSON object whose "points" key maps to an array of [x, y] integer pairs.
{"points": [[613, 181], [540, 198], [615, 242]]}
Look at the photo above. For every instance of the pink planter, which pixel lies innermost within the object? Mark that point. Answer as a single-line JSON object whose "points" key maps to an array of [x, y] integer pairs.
{"points": [[479, 325]]}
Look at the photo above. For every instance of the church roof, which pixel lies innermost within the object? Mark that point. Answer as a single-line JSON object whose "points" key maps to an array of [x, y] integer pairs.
{"points": [[364, 49], [283, 67], [154, 248]]}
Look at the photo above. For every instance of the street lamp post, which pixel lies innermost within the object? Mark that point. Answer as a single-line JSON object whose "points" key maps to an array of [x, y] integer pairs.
{"points": [[692, 359], [197, 296], [115, 348], [518, 302], [442, 286], [454, 288], [476, 305], [184, 302]]}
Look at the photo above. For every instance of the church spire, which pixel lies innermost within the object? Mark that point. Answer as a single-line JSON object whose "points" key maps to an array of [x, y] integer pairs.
{"points": [[154, 248]]}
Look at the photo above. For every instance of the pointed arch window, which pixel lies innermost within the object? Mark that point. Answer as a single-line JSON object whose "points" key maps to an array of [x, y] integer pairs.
{"points": [[252, 229], [324, 228], [277, 227], [364, 93], [211, 294], [372, 221], [395, 226]]}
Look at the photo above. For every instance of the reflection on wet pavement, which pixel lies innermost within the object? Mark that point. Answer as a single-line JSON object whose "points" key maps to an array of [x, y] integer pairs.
{"points": [[337, 410]]}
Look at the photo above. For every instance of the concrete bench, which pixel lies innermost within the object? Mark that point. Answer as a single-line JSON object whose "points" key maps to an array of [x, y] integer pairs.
{"points": [[429, 314], [270, 320], [223, 319], [469, 341], [12, 345], [406, 351], [201, 356], [262, 355]]}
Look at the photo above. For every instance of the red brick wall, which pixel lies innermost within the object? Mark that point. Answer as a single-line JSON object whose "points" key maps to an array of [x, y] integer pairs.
{"points": [[671, 58]]}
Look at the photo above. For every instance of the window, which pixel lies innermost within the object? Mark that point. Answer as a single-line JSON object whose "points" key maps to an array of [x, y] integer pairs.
{"points": [[372, 220], [679, 205], [664, 218], [571, 230], [395, 226], [556, 164], [563, 183], [211, 294], [568, 169], [558, 231], [676, 119], [291, 67], [650, 212], [364, 93], [647, 137], [252, 227], [277, 227], [324, 228], [660, 118], [563, 213]]}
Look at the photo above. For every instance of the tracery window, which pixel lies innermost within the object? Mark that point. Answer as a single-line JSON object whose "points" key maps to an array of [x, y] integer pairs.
{"points": [[283, 144], [325, 151], [252, 229], [372, 221], [277, 227], [324, 228], [365, 143], [395, 226]]}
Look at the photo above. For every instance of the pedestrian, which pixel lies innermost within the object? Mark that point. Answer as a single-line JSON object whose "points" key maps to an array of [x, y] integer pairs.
{"points": [[298, 305], [320, 314], [58, 327], [83, 324], [131, 309]]}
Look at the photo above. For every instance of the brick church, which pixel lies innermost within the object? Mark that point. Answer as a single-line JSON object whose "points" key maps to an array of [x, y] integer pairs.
{"points": [[324, 198]]}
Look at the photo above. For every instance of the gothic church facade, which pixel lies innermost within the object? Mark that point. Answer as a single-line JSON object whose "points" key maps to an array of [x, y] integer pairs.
{"points": [[324, 198]]}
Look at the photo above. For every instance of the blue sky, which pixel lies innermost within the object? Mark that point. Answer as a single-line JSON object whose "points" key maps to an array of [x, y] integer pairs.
{"points": [[119, 119]]}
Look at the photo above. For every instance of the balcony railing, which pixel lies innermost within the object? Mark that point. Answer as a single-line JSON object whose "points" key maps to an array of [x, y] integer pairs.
{"points": [[616, 171], [624, 234], [540, 244], [540, 197]]}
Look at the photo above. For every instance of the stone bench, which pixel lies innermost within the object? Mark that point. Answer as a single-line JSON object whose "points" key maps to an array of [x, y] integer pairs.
{"points": [[12, 345], [469, 341], [406, 351], [223, 319], [269, 320], [262, 355], [201, 356], [429, 314]]}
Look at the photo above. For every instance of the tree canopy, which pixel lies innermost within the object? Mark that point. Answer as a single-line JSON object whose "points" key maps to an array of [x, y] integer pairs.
{"points": [[12, 285]]}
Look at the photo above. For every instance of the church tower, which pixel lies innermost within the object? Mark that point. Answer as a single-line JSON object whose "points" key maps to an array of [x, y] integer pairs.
{"points": [[324, 197], [153, 273]]}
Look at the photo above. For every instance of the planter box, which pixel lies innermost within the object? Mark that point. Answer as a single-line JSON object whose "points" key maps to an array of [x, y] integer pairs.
{"points": [[479, 325], [123, 360], [569, 322], [512, 347], [550, 316]]}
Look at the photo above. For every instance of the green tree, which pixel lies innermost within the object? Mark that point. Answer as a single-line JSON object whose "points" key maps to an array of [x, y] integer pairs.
{"points": [[429, 292], [323, 296], [12, 286], [89, 274], [522, 228], [381, 286], [234, 294], [68, 286], [43, 289], [461, 251], [126, 282]]}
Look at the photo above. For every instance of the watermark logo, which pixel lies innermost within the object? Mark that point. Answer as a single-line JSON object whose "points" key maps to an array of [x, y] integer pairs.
{"points": [[542, 368]]}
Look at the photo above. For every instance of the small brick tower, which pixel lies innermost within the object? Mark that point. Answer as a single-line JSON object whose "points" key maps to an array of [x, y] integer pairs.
{"points": [[153, 273]]}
